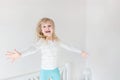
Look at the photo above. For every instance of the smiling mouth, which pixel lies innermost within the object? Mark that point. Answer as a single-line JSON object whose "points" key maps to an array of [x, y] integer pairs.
{"points": [[47, 31]]}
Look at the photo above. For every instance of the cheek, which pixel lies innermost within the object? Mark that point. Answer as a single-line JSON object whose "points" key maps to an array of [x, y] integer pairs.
{"points": [[43, 30], [52, 29]]}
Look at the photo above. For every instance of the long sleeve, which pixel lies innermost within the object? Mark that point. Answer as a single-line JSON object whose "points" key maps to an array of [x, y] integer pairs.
{"points": [[34, 48], [70, 48]]}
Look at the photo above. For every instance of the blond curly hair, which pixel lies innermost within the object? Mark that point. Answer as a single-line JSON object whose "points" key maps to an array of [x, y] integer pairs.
{"points": [[39, 30]]}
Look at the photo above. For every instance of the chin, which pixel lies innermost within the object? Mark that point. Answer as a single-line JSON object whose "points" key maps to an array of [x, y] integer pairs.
{"points": [[49, 35]]}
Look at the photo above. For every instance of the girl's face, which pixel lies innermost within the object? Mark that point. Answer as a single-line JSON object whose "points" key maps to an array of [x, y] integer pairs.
{"points": [[47, 29]]}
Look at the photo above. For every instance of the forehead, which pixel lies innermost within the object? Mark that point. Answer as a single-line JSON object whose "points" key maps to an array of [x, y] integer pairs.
{"points": [[46, 23]]}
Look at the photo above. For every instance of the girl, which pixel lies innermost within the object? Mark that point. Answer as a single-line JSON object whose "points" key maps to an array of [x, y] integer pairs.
{"points": [[47, 44]]}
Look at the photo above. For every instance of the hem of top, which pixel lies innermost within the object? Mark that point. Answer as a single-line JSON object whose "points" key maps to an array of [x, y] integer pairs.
{"points": [[49, 68]]}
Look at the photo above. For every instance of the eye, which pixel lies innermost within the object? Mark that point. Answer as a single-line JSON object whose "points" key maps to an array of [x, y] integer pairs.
{"points": [[49, 25], [44, 26]]}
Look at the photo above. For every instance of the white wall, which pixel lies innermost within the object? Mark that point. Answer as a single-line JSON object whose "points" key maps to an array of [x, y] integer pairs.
{"points": [[103, 38], [101, 17], [18, 20]]}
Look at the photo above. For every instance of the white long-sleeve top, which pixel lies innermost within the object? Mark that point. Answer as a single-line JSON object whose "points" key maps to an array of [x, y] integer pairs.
{"points": [[49, 51]]}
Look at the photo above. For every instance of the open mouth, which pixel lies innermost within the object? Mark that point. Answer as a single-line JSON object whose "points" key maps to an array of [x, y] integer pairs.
{"points": [[47, 31]]}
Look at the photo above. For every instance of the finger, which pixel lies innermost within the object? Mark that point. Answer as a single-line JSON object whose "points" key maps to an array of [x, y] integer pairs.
{"points": [[8, 54], [16, 51], [9, 51], [13, 60]]}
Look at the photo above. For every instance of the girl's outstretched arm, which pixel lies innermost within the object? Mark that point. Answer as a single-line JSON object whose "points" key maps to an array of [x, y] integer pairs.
{"points": [[13, 55], [73, 49], [34, 48]]}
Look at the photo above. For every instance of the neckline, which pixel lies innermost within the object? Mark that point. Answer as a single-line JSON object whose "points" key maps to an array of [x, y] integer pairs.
{"points": [[51, 41]]}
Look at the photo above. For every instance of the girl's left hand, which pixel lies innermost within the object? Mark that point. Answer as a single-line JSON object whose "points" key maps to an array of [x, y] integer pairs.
{"points": [[84, 54]]}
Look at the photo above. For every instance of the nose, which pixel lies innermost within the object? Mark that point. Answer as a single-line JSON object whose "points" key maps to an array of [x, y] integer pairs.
{"points": [[47, 28]]}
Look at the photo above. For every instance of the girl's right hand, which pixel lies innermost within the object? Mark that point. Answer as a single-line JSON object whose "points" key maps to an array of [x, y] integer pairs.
{"points": [[13, 55]]}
